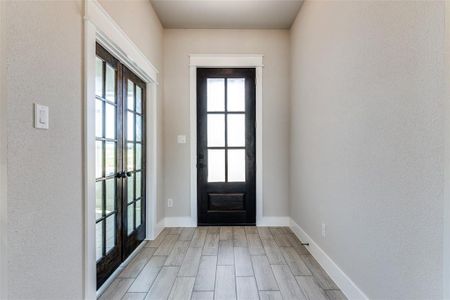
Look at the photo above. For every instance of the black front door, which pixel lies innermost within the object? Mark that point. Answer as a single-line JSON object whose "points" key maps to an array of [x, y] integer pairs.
{"points": [[226, 146], [120, 163]]}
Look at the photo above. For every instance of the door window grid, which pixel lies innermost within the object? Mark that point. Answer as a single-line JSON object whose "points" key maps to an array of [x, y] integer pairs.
{"points": [[105, 212], [218, 105], [134, 157]]}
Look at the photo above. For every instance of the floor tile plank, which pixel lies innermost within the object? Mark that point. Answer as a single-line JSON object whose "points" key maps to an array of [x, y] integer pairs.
{"points": [[255, 246], [310, 288], [273, 252], [263, 274], [251, 230], [199, 237], [270, 295], [137, 264], [163, 283], [175, 230], [211, 244], [297, 265], [157, 242], [335, 295], [280, 237], [246, 288], [226, 233], [213, 229], [242, 262], [134, 296], [182, 288], [191, 261], [226, 254], [148, 274], [239, 237], [177, 254], [319, 274], [206, 276], [264, 233], [225, 287], [202, 296], [166, 245], [187, 234], [286, 281], [117, 289], [297, 244]]}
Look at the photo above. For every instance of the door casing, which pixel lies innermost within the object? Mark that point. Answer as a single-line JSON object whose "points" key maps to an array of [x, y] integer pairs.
{"points": [[224, 61]]}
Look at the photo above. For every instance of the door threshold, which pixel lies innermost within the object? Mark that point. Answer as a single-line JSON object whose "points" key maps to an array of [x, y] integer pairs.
{"points": [[119, 269]]}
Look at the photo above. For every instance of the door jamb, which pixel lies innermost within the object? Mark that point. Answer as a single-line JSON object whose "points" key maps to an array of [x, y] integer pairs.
{"points": [[225, 61], [100, 27]]}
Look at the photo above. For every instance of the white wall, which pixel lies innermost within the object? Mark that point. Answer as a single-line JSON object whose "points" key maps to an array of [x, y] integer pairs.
{"points": [[367, 140], [43, 63], [274, 45]]}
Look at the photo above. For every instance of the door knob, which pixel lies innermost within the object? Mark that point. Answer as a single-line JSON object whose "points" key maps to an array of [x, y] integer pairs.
{"points": [[129, 174]]}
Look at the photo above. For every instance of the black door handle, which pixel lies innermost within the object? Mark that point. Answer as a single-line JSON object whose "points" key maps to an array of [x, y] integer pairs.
{"points": [[129, 174], [120, 175]]}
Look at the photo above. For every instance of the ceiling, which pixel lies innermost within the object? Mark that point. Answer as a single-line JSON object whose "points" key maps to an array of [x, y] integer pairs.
{"points": [[229, 14]]}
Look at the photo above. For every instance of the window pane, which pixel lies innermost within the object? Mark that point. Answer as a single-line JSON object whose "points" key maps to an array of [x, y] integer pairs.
{"points": [[130, 156], [236, 130], [110, 195], [110, 158], [138, 213], [110, 232], [98, 77], [130, 100], [130, 218], [98, 159], [236, 165], [138, 99], [138, 128], [215, 94], [98, 118], [138, 184], [138, 156], [131, 188], [236, 94], [110, 86], [110, 124], [98, 200], [216, 165], [216, 130], [130, 126], [99, 240]]}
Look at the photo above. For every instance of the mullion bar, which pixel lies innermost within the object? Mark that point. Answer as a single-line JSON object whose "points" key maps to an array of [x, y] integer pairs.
{"points": [[226, 129], [97, 97], [104, 159]]}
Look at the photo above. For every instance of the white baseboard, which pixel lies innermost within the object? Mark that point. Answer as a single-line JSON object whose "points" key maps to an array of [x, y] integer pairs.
{"points": [[274, 221], [347, 286], [179, 222]]}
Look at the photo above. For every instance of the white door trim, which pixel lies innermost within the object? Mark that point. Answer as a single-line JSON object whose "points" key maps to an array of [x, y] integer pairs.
{"points": [[225, 61], [3, 168], [100, 27]]}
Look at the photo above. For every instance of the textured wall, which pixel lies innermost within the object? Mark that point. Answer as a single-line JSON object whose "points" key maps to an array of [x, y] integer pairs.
{"points": [[43, 60], [274, 45], [367, 136], [45, 222]]}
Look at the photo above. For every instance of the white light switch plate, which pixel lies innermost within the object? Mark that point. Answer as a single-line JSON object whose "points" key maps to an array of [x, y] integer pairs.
{"points": [[181, 139], [41, 116]]}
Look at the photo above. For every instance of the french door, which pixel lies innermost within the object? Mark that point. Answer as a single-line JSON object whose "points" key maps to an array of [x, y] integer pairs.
{"points": [[120, 163], [226, 165]]}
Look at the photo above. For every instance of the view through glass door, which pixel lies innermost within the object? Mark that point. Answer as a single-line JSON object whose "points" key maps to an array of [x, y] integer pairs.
{"points": [[120, 163], [226, 148]]}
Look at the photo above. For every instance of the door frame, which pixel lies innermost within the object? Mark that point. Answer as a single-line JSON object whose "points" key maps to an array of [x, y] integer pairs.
{"points": [[225, 61], [100, 28]]}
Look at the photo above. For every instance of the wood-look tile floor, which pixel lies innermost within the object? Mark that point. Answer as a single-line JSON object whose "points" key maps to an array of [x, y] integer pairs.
{"points": [[224, 263]]}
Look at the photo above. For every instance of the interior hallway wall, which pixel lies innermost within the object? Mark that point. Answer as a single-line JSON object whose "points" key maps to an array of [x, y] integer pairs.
{"points": [[43, 63], [274, 45], [367, 133]]}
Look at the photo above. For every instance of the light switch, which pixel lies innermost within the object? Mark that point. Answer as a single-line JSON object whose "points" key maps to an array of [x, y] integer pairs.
{"points": [[181, 139], [41, 118]]}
